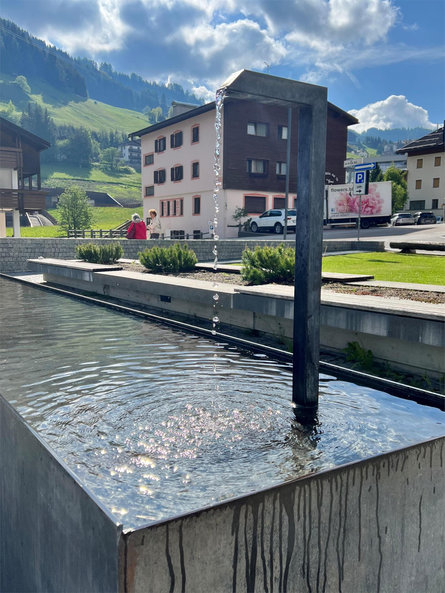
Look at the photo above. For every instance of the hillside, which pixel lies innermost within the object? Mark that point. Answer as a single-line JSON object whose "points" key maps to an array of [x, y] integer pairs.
{"points": [[49, 70], [374, 141]]}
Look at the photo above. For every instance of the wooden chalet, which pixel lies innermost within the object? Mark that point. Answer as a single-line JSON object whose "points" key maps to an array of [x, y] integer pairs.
{"points": [[20, 182]]}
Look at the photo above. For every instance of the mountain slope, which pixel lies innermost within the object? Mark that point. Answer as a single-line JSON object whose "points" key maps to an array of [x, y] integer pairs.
{"points": [[46, 66]]}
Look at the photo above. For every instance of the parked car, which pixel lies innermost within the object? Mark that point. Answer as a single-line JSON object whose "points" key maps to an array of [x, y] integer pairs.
{"points": [[424, 218], [273, 220], [402, 218], [439, 219]]}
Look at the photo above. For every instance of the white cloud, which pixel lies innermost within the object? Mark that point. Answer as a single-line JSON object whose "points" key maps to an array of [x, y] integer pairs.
{"points": [[394, 112]]}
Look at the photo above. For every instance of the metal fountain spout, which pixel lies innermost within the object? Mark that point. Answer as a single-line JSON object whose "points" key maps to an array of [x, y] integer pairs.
{"points": [[309, 103]]}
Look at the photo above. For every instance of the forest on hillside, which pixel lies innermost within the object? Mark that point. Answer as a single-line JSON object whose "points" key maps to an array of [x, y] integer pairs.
{"points": [[35, 76], [23, 54]]}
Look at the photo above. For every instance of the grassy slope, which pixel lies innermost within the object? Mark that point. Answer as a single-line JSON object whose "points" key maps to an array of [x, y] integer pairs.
{"points": [[69, 110], [97, 116], [126, 189], [392, 267]]}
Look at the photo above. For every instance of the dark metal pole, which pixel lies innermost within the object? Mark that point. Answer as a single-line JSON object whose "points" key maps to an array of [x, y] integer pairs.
{"points": [[286, 199], [311, 161]]}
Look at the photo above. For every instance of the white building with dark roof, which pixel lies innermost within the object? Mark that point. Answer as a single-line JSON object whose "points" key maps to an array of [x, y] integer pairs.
{"points": [[426, 172]]}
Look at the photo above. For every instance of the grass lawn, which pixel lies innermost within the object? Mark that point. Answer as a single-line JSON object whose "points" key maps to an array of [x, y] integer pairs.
{"points": [[104, 218], [391, 267]]}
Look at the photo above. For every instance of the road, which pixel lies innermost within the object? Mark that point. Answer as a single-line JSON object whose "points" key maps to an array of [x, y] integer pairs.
{"points": [[428, 232]]}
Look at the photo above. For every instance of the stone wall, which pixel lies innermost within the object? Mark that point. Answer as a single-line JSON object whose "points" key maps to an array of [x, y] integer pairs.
{"points": [[14, 253]]}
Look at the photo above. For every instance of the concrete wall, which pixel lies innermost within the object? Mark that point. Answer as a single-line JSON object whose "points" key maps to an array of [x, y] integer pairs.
{"points": [[372, 526], [410, 341], [14, 252], [53, 537]]}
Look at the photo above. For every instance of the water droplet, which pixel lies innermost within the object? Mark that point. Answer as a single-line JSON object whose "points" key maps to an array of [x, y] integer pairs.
{"points": [[216, 297], [215, 319]]}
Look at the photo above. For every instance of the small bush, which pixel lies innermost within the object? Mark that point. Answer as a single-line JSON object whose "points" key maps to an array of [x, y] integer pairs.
{"points": [[99, 254], [269, 264], [168, 260]]}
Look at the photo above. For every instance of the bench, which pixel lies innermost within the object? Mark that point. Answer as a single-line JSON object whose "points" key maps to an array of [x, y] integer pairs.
{"points": [[412, 246]]}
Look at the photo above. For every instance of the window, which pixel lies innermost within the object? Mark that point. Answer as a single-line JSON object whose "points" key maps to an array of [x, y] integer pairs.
{"points": [[176, 173], [255, 204], [419, 163], [279, 203], [196, 204], [160, 144], [150, 190], [176, 140], [195, 134], [418, 184], [280, 169], [159, 176], [195, 170], [417, 205], [434, 203], [437, 161], [436, 181], [257, 129], [257, 167], [148, 159], [174, 207], [282, 132]]}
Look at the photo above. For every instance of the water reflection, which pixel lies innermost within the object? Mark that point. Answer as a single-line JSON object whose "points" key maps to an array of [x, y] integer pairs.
{"points": [[139, 414]]}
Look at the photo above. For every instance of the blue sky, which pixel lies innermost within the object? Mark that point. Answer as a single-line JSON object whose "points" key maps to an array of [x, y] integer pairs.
{"points": [[382, 60]]}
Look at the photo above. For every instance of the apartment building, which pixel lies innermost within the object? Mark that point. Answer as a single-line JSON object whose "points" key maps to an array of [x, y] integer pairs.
{"points": [[178, 155], [426, 172]]}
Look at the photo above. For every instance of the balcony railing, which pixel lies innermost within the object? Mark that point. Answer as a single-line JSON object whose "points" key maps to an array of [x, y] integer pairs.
{"points": [[33, 199]]}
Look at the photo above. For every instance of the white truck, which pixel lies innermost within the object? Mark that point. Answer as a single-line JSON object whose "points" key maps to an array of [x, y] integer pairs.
{"points": [[341, 206]]}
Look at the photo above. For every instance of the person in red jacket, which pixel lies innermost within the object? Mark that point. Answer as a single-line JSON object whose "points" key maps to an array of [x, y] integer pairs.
{"points": [[137, 228]]}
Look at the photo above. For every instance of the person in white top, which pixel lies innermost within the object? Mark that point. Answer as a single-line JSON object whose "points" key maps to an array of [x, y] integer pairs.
{"points": [[154, 224]]}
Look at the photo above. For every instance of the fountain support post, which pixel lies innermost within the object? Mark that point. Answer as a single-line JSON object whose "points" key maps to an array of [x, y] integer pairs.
{"points": [[311, 103], [311, 164]]}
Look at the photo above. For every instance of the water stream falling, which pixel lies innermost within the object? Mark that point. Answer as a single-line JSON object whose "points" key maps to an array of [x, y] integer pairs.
{"points": [[219, 101], [133, 408]]}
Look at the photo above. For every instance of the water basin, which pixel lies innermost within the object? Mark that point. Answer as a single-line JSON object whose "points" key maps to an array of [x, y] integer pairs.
{"points": [[156, 422]]}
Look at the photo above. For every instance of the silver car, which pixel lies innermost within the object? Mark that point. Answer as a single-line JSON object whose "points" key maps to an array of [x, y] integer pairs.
{"points": [[273, 220], [402, 218]]}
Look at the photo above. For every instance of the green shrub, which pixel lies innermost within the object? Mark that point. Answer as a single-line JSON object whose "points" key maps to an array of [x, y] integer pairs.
{"points": [[88, 252], [168, 260], [99, 254], [267, 264]]}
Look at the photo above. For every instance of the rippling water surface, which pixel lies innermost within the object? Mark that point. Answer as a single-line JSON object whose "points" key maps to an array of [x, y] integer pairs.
{"points": [[157, 422]]}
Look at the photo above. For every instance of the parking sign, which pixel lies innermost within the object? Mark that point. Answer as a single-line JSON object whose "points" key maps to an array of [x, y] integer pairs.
{"points": [[361, 182]]}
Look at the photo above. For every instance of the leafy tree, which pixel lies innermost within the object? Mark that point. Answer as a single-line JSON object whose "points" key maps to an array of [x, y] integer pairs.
{"points": [[81, 149], [75, 210], [23, 83], [376, 174], [399, 187], [153, 115], [110, 159]]}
